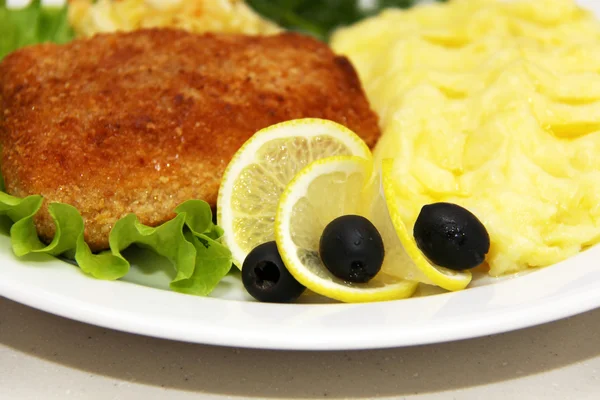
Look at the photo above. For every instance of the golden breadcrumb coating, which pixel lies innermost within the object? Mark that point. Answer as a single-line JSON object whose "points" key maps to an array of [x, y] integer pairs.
{"points": [[140, 122]]}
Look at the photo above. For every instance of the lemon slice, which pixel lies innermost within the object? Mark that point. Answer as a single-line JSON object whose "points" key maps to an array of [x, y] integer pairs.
{"points": [[261, 169], [321, 192], [415, 265]]}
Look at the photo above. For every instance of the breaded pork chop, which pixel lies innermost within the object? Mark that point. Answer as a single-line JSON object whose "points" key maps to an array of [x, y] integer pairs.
{"points": [[141, 122]]}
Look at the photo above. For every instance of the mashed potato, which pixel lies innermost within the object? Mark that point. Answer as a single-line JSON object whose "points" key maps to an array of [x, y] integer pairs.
{"points": [[494, 106], [234, 16]]}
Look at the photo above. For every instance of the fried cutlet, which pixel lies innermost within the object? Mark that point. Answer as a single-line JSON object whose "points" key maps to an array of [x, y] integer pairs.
{"points": [[141, 122]]}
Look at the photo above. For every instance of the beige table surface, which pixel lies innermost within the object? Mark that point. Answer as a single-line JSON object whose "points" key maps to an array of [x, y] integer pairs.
{"points": [[47, 357]]}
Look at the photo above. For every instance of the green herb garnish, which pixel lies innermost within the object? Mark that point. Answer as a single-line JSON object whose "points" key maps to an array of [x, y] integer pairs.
{"points": [[320, 18], [32, 24]]}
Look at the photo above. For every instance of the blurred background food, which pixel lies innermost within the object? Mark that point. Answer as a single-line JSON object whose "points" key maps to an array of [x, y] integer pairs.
{"points": [[317, 18], [321, 18], [22, 26], [26, 22], [233, 16]]}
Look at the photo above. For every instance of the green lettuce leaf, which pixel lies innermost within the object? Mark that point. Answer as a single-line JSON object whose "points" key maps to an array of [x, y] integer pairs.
{"points": [[211, 261], [31, 25], [190, 241]]}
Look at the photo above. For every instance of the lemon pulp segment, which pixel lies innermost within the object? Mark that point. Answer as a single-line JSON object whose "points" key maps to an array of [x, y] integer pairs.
{"points": [[261, 169]]}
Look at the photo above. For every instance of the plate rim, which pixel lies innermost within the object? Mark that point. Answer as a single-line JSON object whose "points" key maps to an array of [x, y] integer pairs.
{"points": [[300, 333]]}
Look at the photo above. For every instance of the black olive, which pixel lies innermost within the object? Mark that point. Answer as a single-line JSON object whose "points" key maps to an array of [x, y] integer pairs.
{"points": [[352, 249], [451, 236], [266, 278]]}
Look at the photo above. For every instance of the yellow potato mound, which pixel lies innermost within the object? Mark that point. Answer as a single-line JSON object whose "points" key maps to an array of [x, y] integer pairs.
{"points": [[233, 16], [493, 105]]}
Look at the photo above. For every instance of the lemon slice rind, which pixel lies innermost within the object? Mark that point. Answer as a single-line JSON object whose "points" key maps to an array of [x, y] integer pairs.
{"points": [[440, 276], [326, 284]]}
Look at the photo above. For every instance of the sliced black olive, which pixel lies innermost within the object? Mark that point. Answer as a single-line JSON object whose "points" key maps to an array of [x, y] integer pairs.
{"points": [[352, 249], [266, 278], [451, 236]]}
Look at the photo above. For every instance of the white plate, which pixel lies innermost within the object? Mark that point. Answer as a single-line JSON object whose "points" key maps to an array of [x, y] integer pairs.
{"points": [[231, 319], [52, 285]]}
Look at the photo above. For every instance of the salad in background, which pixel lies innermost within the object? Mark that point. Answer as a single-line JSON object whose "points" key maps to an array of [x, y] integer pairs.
{"points": [[33, 24], [39, 23], [321, 18]]}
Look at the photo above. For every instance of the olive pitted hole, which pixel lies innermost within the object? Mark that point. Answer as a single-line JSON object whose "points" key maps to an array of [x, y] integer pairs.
{"points": [[266, 278], [266, 274]]}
